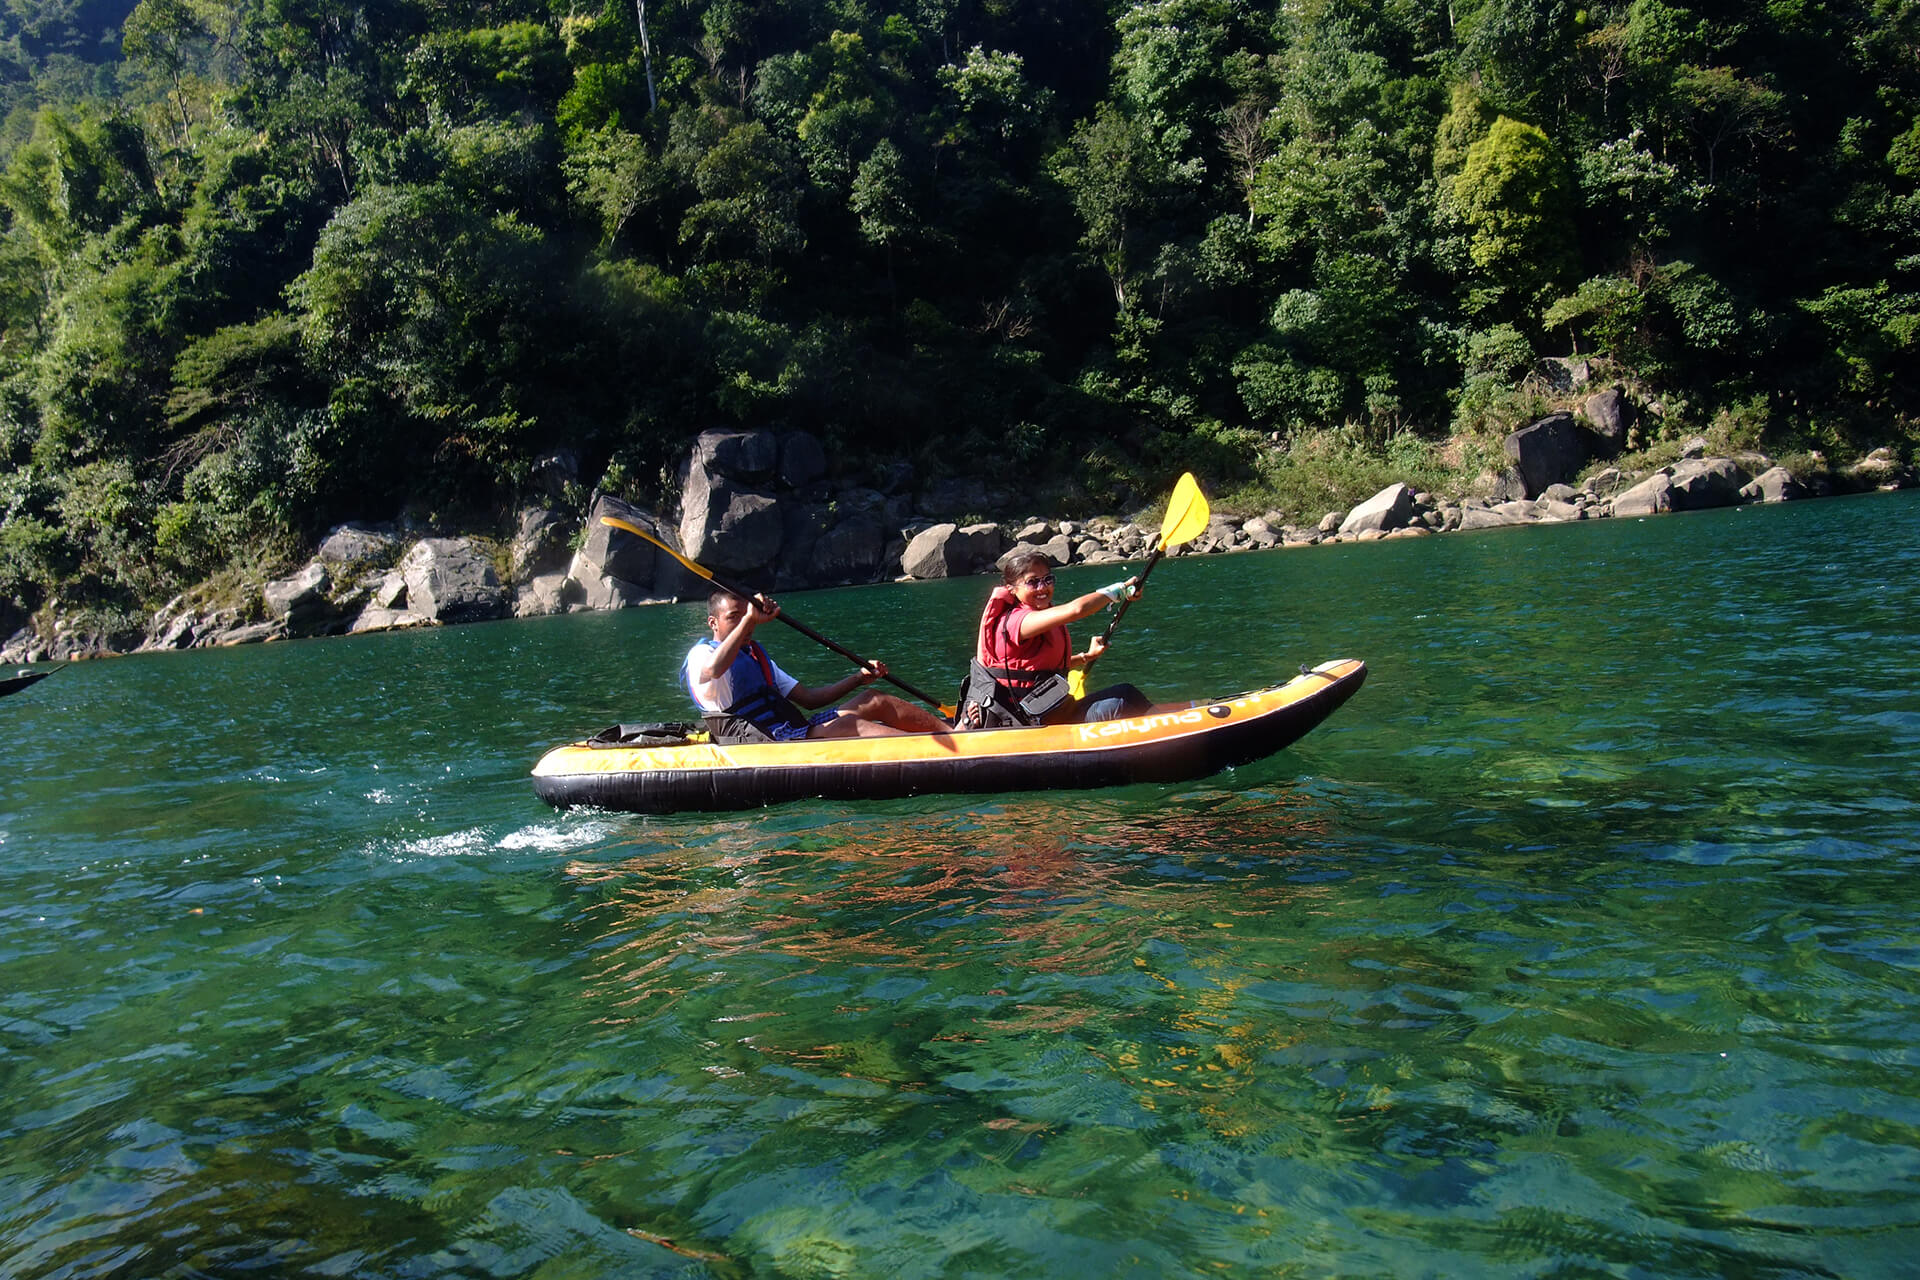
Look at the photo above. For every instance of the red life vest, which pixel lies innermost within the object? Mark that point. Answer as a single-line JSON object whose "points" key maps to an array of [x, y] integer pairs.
{"points": [[1016, 665]]}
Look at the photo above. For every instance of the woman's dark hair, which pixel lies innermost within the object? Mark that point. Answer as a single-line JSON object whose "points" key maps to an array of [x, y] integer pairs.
{"points": [[1018, 564]]}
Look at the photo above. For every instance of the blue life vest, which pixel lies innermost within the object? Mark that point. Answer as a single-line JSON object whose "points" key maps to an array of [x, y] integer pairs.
{"points": [[757, 699]]}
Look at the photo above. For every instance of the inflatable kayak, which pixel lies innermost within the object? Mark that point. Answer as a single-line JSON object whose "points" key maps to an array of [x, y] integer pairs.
{"points": [[665, 773], [24, 680]]}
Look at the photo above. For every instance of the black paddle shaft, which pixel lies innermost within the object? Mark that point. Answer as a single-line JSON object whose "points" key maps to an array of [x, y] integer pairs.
{"points": [[1126, 601]]}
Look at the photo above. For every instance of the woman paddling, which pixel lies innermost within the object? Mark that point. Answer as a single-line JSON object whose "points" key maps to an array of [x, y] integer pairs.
{"points": [[1023, 654]]}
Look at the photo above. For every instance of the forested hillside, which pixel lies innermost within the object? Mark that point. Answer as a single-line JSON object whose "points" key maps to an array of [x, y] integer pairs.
{"points": [[268, 264]]}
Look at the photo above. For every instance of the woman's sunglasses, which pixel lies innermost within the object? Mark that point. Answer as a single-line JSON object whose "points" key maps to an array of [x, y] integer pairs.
{"points": [[1034, 584]]}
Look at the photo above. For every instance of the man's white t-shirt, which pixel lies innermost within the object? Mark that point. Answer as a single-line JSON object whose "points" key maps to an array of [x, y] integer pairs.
{"points": [[713, 697]]}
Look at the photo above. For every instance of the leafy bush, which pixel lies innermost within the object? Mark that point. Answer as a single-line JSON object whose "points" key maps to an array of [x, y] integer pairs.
{"points": [[33, 558], [1335, 470]]}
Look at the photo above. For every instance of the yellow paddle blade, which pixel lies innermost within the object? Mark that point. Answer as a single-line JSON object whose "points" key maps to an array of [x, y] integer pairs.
{"points": [[1187, 513], [615, 522], [1077, 682]]}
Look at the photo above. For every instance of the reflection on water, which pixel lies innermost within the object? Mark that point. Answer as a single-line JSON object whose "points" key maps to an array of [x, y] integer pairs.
{"points": [[1580, 943]]}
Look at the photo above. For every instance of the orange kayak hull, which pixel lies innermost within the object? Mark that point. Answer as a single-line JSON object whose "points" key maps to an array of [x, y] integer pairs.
{"points": [[1173, 745]]}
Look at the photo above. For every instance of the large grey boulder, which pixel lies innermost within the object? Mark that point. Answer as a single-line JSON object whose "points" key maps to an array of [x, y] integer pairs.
{"points": [[804, 524], [608, 552], [1651, 496], [1776, 484], [1701, 483], [300, 600], [614, 569], [540, 542], [983, 542], [927, 554], [724, 523], [1094, 551], [826, 546], [1024, 547], [1607, 481], [1385, 511], [1505, 485], [542, 595], [802, 460], [173, 626], [597, 590], [1564, 373], [1692, 484], [236, 633], [1549, 451], [24, 645], [1498, 516], [451, 580], [851, 551], [389, 590], [355, 543], [722, 527], [737, 455], [178, 634], [949, 551], [1611, 414], [376, 618]]}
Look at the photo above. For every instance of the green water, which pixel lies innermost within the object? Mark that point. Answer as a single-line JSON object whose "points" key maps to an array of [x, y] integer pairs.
{"points": [[1580, 943]]}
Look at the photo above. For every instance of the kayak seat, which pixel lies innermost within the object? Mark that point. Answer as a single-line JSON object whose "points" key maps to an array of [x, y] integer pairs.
{"points": [[979, 705], [670, 733]]}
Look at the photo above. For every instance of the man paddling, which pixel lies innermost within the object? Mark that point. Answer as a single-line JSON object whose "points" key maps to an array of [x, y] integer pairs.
{"points": [[746, 698]]}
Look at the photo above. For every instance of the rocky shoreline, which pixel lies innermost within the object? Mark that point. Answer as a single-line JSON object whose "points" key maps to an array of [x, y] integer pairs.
{"points": [[756, 508]]}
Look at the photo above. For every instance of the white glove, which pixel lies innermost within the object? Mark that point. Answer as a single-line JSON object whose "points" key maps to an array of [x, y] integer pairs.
{"points": [[1117, 591]]}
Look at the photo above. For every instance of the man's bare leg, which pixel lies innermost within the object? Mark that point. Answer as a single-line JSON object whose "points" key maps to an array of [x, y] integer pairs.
{"points": [[876, 715]]}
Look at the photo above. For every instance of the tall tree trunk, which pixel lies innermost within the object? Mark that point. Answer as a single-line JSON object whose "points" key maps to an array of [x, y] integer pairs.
{"points": [[646, 50]]}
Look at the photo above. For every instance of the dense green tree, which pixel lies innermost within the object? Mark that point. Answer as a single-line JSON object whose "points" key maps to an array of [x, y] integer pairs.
{"points": [[270, 263], [1512, 192]]}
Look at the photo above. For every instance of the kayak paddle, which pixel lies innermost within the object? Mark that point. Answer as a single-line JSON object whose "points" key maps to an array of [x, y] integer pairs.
{"points": [[805, 630], [1186, 518]]}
